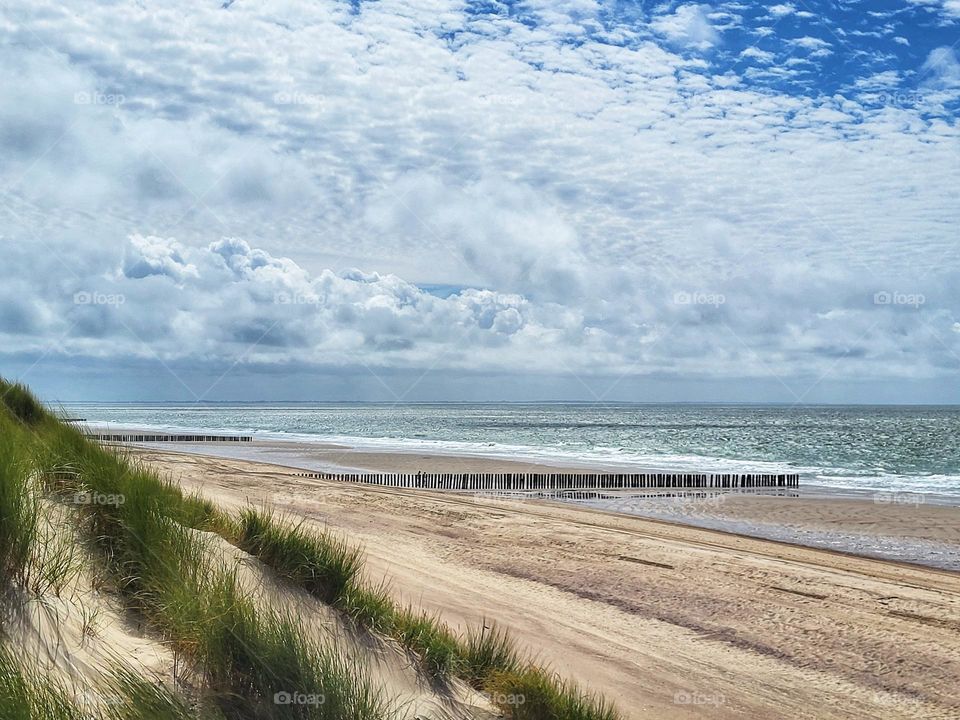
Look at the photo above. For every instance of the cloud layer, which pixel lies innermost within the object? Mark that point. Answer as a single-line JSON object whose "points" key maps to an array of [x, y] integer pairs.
{"points": [[704, 191]]}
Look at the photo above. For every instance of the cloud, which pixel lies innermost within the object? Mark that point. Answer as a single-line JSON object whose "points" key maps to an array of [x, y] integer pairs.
{"points": [[818, 47], [941, 69], [950, 8], [156, 256], [782, 10], [688, 26], [761, 56]]}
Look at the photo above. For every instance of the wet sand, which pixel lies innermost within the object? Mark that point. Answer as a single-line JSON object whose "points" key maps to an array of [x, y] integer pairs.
{"points": [[670, 621], [330, 457]]}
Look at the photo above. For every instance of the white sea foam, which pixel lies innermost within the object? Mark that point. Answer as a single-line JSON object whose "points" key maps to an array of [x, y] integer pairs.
{"points": [[604, 458]]}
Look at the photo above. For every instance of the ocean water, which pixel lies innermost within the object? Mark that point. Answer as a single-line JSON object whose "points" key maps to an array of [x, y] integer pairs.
{"points": [[851, 448]]}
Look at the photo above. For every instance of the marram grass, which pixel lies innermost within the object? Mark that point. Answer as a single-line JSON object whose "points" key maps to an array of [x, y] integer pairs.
{"points": [[19, 504], [487, 659], [143, 530], [320, 563]]}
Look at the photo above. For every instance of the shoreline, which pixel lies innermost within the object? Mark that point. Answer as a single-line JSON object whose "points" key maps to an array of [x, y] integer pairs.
{"points": [[860, 524], [362, 454], [641, 610]]}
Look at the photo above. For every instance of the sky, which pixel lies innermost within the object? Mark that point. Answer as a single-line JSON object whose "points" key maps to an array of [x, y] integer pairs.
{"points": [[405, 200]]}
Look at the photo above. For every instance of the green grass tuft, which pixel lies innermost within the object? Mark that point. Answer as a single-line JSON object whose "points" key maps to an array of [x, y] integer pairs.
{"points": [[536, 694], [21, 403], [27, 695], [19, 504], [487, 651], [430, 639], [320, 563], [370, 607], [130, 696]]}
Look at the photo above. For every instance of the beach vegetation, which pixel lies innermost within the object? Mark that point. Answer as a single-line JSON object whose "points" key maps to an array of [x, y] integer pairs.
{"points": [[21, 403], [19, 505], [148, 536], [321, 563], [487, 658]]}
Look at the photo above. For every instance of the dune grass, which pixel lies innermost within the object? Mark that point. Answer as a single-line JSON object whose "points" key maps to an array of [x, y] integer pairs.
{"points": [[534, 693], [248, 654], [143, 531], [19, 508], [487, 659], [27, 694], [321, 563], [328, 568], [487, 651], [129, 696], [21, 403]]}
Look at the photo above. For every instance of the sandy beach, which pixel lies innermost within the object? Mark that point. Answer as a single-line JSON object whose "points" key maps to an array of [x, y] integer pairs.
{"points": [[906, 527], [668, 620]]}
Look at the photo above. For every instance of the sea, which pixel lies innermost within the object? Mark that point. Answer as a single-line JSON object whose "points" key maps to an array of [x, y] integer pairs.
{"points": [[854, 449]]}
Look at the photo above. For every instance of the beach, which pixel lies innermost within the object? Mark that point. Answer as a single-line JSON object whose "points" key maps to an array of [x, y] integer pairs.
{"points": [[910, 527], [667, 619]]}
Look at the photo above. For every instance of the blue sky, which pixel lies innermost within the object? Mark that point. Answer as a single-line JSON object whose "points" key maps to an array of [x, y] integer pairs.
{"points": [[403, 200]]}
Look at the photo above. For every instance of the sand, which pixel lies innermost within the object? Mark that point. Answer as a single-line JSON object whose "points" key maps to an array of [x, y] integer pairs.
{"points": [[76, 630], [670, 621], [906, 527]]}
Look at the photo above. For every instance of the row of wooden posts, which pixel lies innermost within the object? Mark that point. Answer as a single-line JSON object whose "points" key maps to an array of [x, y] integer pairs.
{"points": [[107, 437], [563, 481]]}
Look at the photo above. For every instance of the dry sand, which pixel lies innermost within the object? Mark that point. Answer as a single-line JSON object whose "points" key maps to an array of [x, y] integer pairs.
{"points": [[669, 621]]}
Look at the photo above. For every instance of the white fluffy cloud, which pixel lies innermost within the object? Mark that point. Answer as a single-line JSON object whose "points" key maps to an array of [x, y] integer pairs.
{"points": [[942, 69], [688, 26], [156, 256]]}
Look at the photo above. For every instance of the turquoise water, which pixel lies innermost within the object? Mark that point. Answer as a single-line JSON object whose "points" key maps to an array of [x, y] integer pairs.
{"points": [[869, 448]]}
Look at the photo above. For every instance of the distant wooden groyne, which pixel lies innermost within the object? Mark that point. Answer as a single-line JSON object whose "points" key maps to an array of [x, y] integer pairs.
{"points": [[139, 438], [564, 481]]}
